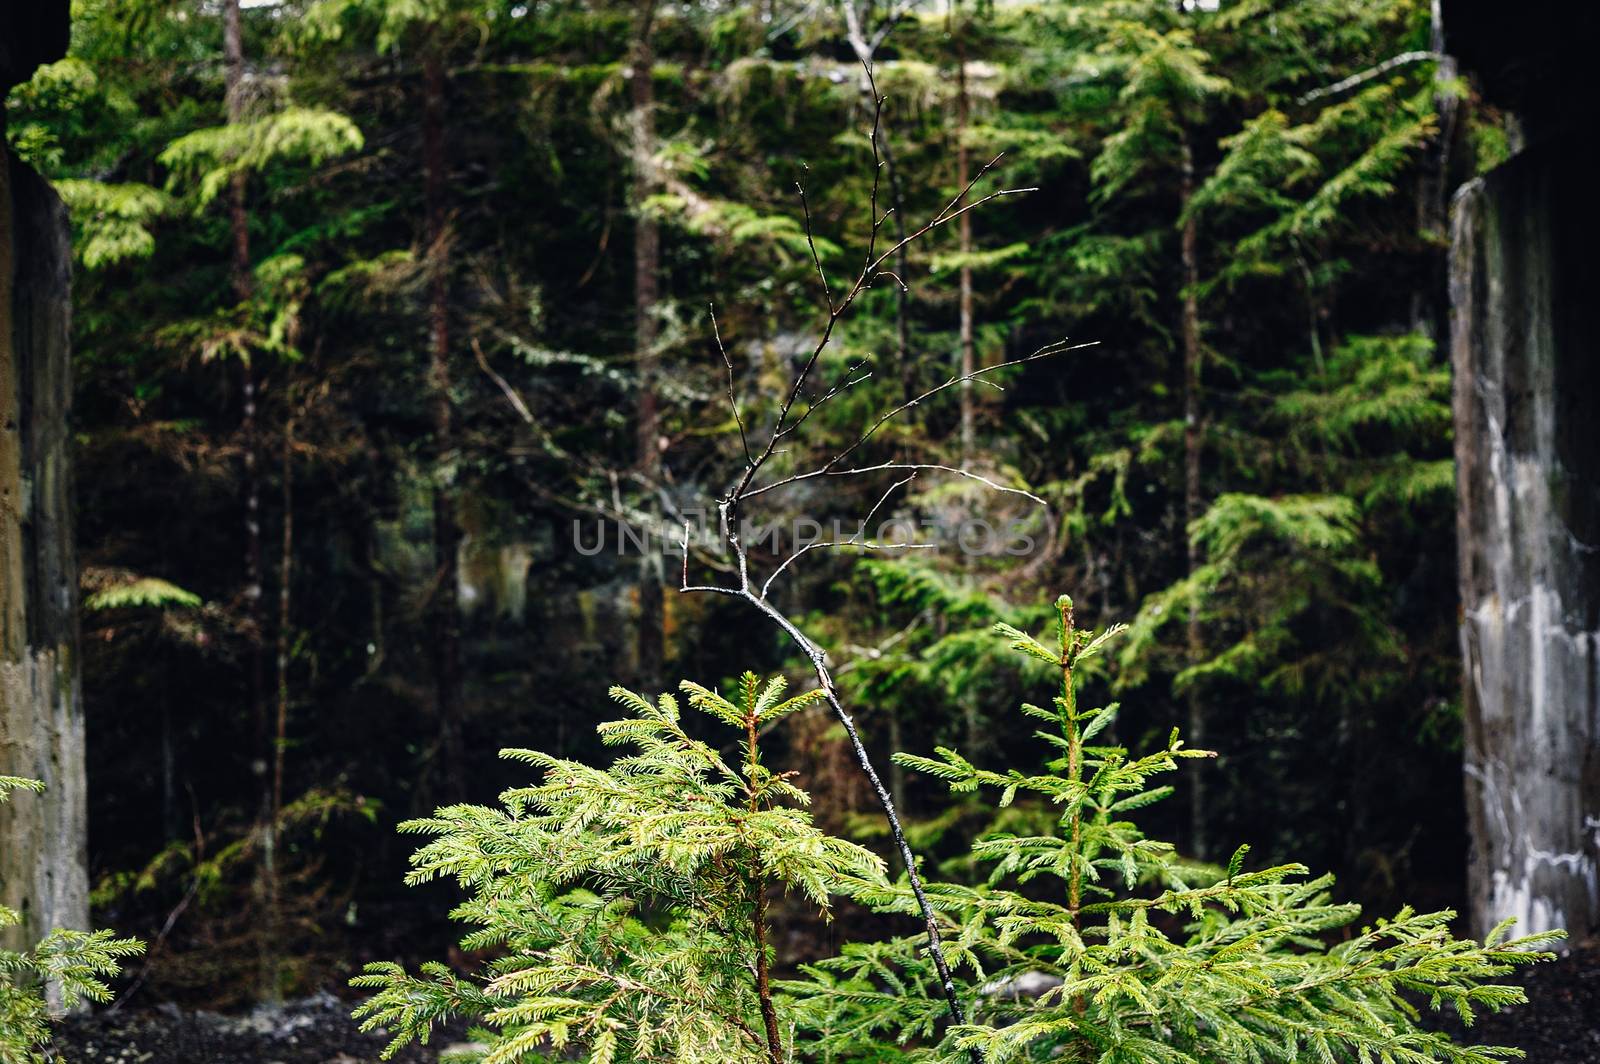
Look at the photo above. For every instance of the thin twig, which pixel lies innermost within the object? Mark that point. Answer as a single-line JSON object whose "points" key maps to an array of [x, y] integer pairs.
{"points": [[876, 653], [510, 393], [733, 403], [1050, 350], [853, 541], [843, 386], [816, 259], [882, 468], [155, 947]]}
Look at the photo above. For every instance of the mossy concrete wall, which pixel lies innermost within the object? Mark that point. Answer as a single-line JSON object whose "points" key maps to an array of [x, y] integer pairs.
{"points": [[1525, 343], [1525, 351], [43, 867]]}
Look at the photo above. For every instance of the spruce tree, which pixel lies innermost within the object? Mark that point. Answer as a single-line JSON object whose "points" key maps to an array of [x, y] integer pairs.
{"points": [[1090, 941], [629, 902], [628, 905], [65, 969]]}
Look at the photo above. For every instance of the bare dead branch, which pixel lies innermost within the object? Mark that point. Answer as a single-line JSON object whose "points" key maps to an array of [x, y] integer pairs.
{"points": [[1048, 351], [853, 541], [811, 242], [684, 585], [919, 467], [877, 175], [837, 310], [1363, 76], [511, 394], [843, 386], [878, 652], [848, 544], [788, 422]]}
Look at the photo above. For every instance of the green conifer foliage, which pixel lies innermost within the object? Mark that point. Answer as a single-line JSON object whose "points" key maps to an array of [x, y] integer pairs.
{"points": [[630, 903], [1145, 957], [75, 963]]}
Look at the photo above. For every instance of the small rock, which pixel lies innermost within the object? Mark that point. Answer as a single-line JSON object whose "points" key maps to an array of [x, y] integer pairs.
{"points": [[1025, 985]]}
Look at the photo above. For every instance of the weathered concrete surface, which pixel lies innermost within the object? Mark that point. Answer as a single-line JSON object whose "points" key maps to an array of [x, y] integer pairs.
{"points": [[1527, 411], [43, 866]]}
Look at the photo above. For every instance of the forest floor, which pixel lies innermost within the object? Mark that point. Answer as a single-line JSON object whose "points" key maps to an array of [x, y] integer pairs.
{"points": [[315, 1030], [1560, 1025], [1561, 1022]]}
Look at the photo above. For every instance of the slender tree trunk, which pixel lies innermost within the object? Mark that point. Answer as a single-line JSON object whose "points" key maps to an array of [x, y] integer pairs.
{"points": [[233, 62], [964, 226], [271, 882], [171, 825], [647, 294], [239, 276], [1430, 303], [897, 774], [758, 889], [169, 765], [902, 291], [1192, 443], [444, 614], [239, 224], [285, 579], [249, 443], [865, 52]]}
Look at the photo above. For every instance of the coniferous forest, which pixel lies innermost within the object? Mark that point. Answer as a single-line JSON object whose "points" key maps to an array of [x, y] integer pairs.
{"points": [[843, 530]]}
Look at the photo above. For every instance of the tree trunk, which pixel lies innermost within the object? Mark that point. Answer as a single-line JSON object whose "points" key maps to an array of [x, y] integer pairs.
{"points": [[897, 773], [647, 293], [1523, 343], [865, 52], [902, 290], [444, 613], [1192, 501], [240, 279], [266, 886], [285, 601], [43, 851], [1429, 302], [239, 276], [964, 228]]}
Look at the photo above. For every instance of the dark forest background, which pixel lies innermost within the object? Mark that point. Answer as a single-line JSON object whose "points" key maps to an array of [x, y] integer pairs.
{"points": [[383, 311]]}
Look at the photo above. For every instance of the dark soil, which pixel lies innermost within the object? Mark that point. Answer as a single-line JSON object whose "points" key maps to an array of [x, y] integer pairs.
{"points": [[315, 1030], [1561, 1022], [1559, 1025]]}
